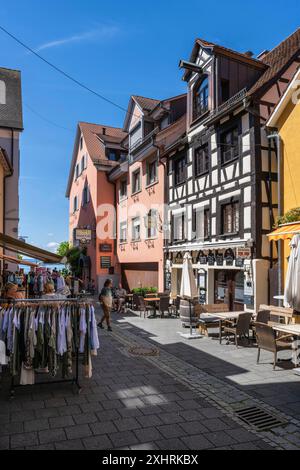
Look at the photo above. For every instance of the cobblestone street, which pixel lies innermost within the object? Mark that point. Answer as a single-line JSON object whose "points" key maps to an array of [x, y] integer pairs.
{"points": [[131, 403]]}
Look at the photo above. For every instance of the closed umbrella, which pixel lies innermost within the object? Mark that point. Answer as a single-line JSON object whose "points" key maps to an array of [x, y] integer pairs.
{"points": [[188, 289], [292, 290]]}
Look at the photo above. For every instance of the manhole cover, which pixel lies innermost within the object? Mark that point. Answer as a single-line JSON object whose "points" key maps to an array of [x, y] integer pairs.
{"points": [[259, 418], [140, 351]]}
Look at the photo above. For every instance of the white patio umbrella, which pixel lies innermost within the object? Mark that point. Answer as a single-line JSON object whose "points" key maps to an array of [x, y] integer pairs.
{"points": [[188, 289], [292, 285]]}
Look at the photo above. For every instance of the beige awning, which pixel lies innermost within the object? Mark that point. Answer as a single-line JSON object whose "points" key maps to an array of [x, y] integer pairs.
{"points": [[18, 261], [22, 248]]}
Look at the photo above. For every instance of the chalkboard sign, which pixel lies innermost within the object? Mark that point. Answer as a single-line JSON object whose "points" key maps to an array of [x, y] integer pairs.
{"points": [[211, 259], [229, 257], [105, 248], [220, 259], [239, 262]]}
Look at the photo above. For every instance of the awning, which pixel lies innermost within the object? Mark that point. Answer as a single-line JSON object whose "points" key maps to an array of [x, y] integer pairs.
{"points": [[13, 260], [22, 248], [285, 232]]}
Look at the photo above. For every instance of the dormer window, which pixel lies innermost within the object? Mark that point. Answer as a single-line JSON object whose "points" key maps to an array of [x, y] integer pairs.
{"points": [[200, 98], [2, 92]]}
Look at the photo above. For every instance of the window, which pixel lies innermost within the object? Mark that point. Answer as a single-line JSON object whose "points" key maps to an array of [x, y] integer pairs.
{"points": [[2, 92], [136, 229], [180, 170], [75, 204], [200, 100], [178, 227], [231, 218], [152, 172], [136, 182], [201, 160], [201, 224], [112, 156], [85, 195], [225, 90], [105, 262], [123, 189], [83, 163], [76, 171], [81, 143], [151, 223], [123, 232], [230, 145]]}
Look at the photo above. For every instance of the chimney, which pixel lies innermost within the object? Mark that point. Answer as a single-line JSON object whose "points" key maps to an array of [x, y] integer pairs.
{"points": [[104, 130], [249, 54]]}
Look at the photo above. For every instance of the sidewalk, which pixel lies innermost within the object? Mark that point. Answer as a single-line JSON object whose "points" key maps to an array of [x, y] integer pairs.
{"points": [[130, 403]]}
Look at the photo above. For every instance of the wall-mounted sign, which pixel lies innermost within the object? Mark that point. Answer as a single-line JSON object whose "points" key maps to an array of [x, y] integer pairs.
{"points": [[211, 259], [202, 258], [105, 248], [105, 262], [243, 252], [239, 262], [83, 235], [229, 257]]}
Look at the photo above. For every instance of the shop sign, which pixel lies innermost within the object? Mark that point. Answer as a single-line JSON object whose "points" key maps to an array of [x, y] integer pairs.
{"points": [[229, 257], [83, 235], [105, 248], [219, 259], [243, 252], [202, 258], [211, 259]]}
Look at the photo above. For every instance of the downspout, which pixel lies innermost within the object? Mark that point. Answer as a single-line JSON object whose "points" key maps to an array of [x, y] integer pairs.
{"points": [[275, 135]]}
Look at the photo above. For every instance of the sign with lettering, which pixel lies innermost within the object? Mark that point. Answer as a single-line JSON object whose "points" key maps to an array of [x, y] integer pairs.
{"points": [[105, 248], [83, 235], [229, 257], [243, 252], [211, 259]]}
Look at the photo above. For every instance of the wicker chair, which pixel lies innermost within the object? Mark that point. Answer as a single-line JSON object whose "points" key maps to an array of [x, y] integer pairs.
{"points": [[143, 307], [266, 340], [263, 316], [241, 328], [175, 307], [164, 306]]}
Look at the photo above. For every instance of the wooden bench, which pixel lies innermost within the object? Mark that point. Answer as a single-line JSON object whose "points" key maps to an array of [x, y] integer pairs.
{"points": [[279, 314], [206, 322]]}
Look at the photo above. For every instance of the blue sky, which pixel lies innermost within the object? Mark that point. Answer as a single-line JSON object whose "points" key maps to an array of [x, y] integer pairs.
{"points": [[117, 48]]}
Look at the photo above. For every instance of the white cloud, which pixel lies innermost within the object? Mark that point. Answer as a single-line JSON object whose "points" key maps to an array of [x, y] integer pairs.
{"points": [[53, 246], [50, 235], [101, 33]]}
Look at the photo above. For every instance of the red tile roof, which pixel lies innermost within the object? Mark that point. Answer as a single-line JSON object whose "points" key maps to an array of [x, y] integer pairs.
{"points": [[96, 140], [147, 104]]}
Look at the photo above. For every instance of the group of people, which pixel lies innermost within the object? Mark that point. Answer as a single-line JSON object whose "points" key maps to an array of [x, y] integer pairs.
{"points": [[111, 299]]}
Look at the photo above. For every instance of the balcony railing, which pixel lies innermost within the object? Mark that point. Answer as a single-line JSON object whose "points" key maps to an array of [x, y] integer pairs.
{"points": [[229, 103]]}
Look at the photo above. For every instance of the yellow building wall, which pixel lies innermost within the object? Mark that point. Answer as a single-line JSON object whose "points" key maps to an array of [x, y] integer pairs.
{"points": [[289, 129]]}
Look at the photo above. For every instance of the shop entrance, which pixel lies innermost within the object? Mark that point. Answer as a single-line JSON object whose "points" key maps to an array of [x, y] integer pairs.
{"points": [[229, 289]]}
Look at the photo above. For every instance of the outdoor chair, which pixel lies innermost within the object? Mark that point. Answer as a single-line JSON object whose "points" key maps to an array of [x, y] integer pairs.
{"points": [[135, 301], [175, 307], [263, 316], [164, 306], [266, 340], [207, 321], [143, 307], [241, 328]]}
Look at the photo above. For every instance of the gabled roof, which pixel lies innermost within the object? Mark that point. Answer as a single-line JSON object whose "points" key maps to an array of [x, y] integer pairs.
{"points": [[285, 100], [11, 114], [97, 138], [146, 104], [277, 59]]}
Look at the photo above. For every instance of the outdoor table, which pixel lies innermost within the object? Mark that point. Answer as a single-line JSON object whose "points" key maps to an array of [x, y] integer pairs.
{"points": [[153, 300], [224, 316], [291, 330]]}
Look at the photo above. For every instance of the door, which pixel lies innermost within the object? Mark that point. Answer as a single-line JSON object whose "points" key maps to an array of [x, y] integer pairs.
{"points": [[229, 289]]}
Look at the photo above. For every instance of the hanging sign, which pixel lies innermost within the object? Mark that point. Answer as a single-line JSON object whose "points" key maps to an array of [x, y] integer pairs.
{"points": [[202, 258], [211, 259], [83, 235], [229, 257], [219, 259]]}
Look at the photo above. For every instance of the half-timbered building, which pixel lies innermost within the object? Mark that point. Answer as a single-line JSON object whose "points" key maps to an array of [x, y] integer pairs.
{"points": [[222, 185]]}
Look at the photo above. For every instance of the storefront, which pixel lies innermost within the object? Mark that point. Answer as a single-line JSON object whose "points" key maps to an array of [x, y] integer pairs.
{"points": [[222, 276]]}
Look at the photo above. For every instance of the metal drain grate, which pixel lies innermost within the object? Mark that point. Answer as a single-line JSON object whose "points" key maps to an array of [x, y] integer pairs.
{"points": [[259, 418]]}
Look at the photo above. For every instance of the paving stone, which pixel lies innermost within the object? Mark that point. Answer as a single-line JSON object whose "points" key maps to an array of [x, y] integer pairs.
{"points": [[46, 413], [85, 418], [41, 447], [220, 438], [55, 403], [11, 428], [215, 424], [91, 407], [24, 440], [245, 446], [52, 435], [18, 416], [107, 427], [78, 431], [97, 443], [241, 435], [149, 421], [125, 438], [61, 422], [33, 405], [36, 425], [211, 413], [74, 444], [130, 412], [197, 442], [127, 424], [171, 430], [148, 434], [4, 443], [108, 415], [133, 403], [145, 446], [171, 444], [193, 427]]}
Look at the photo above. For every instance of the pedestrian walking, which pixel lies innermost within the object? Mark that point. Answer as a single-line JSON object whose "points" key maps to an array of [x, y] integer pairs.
{"points": [[106, 300]]}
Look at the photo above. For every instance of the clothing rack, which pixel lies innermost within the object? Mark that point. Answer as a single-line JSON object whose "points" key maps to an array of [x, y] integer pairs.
{"points": [[48, 302]]}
